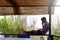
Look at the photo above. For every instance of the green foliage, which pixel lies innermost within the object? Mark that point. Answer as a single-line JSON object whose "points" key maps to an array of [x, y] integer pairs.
{"points": [[56, 38], [57, 31], [9, 26]]}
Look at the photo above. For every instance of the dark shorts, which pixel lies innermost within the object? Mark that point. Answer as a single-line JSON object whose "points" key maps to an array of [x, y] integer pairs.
{"points": [[40, 32]]}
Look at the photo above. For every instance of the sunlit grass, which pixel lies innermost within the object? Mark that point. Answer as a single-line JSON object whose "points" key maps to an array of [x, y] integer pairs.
{"points": [[9, 26]]}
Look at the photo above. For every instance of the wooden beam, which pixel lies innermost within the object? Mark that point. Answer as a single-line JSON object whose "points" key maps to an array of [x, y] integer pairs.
{"points": [[16, 9]]}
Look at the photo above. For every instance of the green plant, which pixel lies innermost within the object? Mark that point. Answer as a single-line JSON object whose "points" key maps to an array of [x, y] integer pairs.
{"points": [[56, 38], [10, 26], [57, 31]]}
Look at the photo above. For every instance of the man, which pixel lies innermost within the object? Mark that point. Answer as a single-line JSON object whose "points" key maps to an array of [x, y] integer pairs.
{"points": [[45, 28]]}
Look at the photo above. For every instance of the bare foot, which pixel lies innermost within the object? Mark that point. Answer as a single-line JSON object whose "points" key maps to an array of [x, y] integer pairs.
{"points": [[23, 31]]}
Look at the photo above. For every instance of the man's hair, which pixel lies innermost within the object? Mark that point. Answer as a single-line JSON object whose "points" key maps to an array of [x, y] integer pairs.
{"points": [[43, 18]]}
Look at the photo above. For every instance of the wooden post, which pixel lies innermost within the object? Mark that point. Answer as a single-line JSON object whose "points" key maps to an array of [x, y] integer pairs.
{"points": [[15, 5], [16, 10]]}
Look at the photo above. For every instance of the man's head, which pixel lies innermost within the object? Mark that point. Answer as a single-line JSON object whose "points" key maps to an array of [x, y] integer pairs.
{"points": [[43, 19]]}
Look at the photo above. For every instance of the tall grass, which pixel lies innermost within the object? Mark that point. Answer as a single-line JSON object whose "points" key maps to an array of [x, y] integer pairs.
{"points": [[57, 31], [10, 26]]}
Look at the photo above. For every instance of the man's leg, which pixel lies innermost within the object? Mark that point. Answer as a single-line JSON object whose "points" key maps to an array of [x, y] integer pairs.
{"points": [[39, 32]]}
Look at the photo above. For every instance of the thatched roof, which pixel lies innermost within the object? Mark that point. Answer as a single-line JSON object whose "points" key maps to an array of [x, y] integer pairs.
{"points": [[25, 10], [26, 2]]}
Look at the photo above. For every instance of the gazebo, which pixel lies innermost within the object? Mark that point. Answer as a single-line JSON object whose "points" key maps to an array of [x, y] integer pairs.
{"points": [[28, 7]]}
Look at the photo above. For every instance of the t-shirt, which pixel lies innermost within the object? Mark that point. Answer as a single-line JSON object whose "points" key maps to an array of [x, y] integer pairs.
{"points": [[46, 25]]}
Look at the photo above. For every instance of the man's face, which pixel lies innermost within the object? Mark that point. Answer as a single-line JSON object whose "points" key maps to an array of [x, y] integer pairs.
{"points": [[43, 21]]}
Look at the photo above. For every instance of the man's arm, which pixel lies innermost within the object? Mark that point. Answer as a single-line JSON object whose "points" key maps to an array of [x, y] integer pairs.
{"points": [[43, 29]]}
